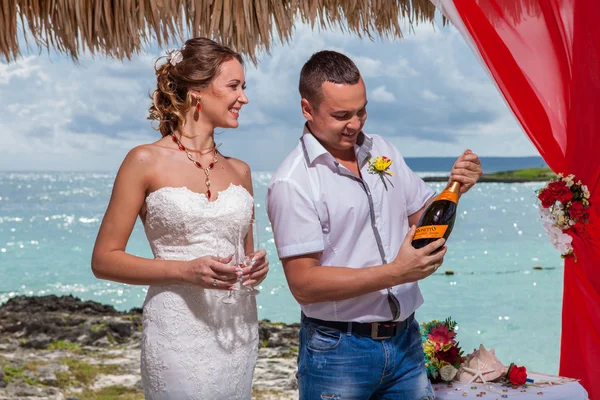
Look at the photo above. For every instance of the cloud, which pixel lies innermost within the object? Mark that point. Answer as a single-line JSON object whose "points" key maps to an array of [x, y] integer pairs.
{"points": [[381, 95], [372, 68], [428, 94], [23, 70]]}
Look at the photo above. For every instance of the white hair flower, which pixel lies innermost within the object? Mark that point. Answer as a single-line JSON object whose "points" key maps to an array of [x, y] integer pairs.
{"points": [[175, 56]]}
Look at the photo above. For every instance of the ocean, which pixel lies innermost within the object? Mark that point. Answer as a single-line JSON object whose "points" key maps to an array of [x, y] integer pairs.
{"points": [[49, 221]]}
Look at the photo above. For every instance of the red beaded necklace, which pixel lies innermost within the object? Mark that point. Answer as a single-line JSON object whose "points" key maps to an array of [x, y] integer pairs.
{"points": [[197, 164]]}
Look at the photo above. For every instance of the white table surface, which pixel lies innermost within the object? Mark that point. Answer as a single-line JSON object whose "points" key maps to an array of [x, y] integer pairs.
{"points": [[495, 391]]}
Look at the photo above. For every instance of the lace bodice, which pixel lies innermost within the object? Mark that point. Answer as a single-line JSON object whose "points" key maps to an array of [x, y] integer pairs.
{"points": [[183, 225], [194, 346]]}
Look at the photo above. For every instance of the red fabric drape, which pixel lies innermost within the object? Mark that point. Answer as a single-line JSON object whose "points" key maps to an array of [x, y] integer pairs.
{"points": [[545, 58]]}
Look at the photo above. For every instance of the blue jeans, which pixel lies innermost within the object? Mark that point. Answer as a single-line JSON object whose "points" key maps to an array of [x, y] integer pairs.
{"points": [[334, 365]]}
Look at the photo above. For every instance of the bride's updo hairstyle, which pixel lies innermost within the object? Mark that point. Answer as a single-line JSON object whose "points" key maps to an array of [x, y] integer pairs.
{"points": [[192, 68]]}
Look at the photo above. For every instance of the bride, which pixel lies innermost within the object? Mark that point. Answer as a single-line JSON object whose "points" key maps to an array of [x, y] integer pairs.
{"points": [[193, 202]]}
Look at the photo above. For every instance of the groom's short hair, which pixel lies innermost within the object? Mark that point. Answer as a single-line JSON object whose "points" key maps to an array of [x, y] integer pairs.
{"points": [[326, 66]]}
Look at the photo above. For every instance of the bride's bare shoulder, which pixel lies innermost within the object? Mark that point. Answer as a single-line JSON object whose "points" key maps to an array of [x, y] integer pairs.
{"points": [[240, 166], [150, 152], [242, 169]]}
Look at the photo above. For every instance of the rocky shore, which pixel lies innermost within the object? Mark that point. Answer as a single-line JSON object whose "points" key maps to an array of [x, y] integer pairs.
{"points": [[64, 348]]}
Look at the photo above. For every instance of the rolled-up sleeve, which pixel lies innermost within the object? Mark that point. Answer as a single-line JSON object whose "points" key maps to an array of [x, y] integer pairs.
{"points": [[294, 219]]}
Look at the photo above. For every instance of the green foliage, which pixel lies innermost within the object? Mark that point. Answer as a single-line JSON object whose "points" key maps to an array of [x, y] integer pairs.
{"points": [[65, 346], [110, 393], [82, 373]]}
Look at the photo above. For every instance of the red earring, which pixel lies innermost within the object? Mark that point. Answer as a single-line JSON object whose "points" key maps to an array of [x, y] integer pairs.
{"points": [[198, 108]]}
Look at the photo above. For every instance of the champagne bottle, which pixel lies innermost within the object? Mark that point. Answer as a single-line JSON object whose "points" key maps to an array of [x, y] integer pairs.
{"points": [[437, 220]]}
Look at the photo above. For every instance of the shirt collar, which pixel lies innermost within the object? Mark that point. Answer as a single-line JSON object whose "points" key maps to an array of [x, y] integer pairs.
{"points": [[313, 149]]}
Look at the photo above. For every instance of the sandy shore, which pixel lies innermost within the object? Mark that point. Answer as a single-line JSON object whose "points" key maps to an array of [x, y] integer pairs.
{"points": [[62, 348]]}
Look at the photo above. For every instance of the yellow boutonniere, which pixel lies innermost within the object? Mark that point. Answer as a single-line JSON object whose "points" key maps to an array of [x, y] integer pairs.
{"points": [[381, 166]]}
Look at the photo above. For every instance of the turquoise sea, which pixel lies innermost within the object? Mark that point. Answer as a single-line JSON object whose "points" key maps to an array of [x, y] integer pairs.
{"points": [[49, 221]]}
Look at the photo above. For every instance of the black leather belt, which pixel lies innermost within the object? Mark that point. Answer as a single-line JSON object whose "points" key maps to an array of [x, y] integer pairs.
{"points": [[376, 330]]}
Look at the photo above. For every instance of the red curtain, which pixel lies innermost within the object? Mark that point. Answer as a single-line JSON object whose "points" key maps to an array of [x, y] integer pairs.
{"points": [[545, 58]]}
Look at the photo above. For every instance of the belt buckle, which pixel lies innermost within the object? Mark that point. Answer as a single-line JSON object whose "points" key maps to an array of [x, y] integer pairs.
{"points": [[375, 332]]}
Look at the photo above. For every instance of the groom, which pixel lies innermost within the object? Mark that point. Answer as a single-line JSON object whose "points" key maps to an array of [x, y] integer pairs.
{"points": [[344, 238]]}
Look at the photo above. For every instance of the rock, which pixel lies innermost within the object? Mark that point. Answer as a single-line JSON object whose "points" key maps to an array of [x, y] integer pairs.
{"points": [[278, 335], [122, 329], [292, 383], [73, 321], [83, 339], [106, 337], [65, 318], [139, 385], [136, 338], [47, 373], [40, 341], [270, 352], [448, 272], [102, 342], [21, 389], [264, 332], [103, 381], [276, 373], [64, 304], [9, 346]]}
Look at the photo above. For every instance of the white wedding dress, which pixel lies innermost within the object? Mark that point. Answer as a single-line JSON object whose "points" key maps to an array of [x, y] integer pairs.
{"points": [[194, 346]]}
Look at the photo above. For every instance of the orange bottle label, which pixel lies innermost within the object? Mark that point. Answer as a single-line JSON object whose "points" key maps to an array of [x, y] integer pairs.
{"points": [[448, 195], [430, 232]]}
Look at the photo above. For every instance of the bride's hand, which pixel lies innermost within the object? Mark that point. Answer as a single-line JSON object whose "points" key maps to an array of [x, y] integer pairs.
{"points": [[256, 273], [210, 272]]}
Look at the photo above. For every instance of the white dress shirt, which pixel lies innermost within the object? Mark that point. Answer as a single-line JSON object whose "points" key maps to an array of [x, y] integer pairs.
{"points": [[316, 205]]}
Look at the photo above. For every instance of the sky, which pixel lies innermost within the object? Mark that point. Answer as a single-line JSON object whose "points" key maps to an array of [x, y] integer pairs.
{"points": [[427, 93]]}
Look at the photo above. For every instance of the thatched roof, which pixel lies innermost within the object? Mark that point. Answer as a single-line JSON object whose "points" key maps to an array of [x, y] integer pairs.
{"points": [[121, 28]]}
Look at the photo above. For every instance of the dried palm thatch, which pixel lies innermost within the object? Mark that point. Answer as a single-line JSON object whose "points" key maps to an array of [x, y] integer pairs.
{"points": [[121, 28], [517, 11]]}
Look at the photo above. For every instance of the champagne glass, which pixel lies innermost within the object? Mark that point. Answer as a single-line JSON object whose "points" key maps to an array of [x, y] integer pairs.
{"points": [[236, 260], [248, 261]]}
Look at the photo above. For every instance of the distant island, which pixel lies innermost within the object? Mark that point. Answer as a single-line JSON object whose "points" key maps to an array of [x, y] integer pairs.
{"points": [[517, 176]]}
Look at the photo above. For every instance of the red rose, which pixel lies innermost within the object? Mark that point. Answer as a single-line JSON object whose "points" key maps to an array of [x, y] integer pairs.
{"points": [[517, 375], [560, 191], [546, 198], [565, 197], [577, 210], [450, 356], [555, 186]]}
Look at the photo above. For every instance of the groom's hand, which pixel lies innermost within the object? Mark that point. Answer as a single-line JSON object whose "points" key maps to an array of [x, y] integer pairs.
{"points": [[257, 272], [415, 264], [466, 170]]}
